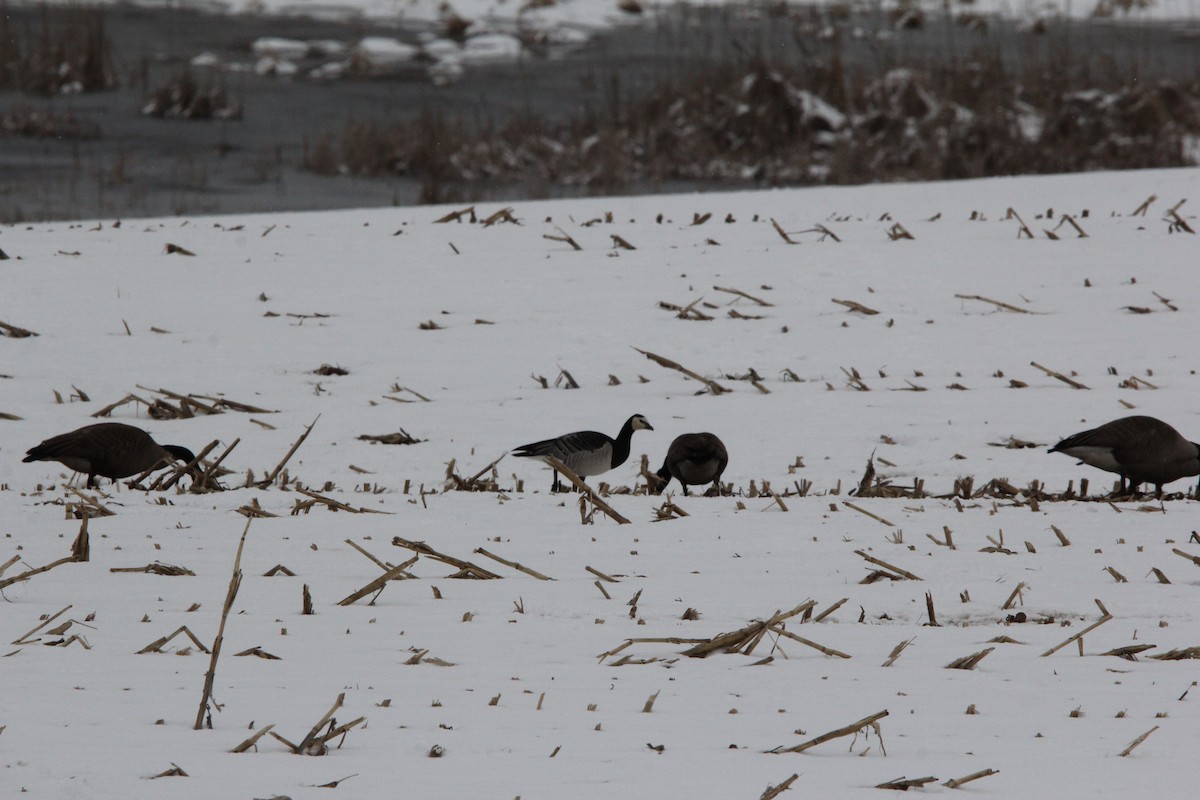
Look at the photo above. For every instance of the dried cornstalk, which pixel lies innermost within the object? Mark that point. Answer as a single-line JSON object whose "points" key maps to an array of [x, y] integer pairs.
{"points": [[856, 306], [880, 562], [954, 783], [904, 784], [466, 568], [774, 791], [852, 728], [1016, 595], [740, 293], [235, 583], [26, 639], [971, 661], [712, 385], [997, 303], [570, 475], [514, 565], [80, 551], [157, 645], [267, 481], [376, 585], [745, 639], [1136, 742], [830, 610], [252, 740], [875, 517], [896, 651], [829, 651], [1103, 619], [1074, 384], [15, 332]]}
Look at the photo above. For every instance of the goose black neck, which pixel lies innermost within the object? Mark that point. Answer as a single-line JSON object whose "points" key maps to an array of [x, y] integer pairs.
{"points": [[181, 453], [620, 451]]}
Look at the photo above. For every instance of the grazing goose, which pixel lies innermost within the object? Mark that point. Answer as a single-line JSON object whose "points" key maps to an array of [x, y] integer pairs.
{"points": [[695, 459], [110, 449], [586, 452], [1140, 449]]}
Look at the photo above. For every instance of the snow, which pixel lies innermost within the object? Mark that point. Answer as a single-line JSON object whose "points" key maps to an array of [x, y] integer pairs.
{"points": [[513, 301]]}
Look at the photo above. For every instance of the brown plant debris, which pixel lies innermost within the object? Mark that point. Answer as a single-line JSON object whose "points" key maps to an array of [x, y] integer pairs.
{"points": [[971, 661], [252, 741], [997, 303], [740, 293], [267, 481], [158, 644], [904, 784], [1132, 745], [399, 437], [315, 742], [744, 640], [1074, 384], [1182, 654], [848, 730], [1013, 443], [896, 651], [375, 586], [1129, 652], [457, 216], [586, 490], [304, 506], [259, 653], [80, 551], [563, 236], [711, 385], [465, 568], [954, 783], [774, 791], [157, 568], [518, 567], [383, 565], [863, 511], [175, 771], [15, 332], [854, 305], [1103, 619], [204, 712], [327, 370], [177, 405], [902, 573]]}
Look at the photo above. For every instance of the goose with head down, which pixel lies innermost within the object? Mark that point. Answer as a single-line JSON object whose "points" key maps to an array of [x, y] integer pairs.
{"points": [[693, 459], [109, 449], [1140, 449]]}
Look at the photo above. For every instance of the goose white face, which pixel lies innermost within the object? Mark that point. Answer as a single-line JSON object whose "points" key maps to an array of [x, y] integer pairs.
{"points": [[640, 423]]}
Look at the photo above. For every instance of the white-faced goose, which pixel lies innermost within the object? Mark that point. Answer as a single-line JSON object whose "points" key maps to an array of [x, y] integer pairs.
{"points": [[109, 449], [1139, 449], [586, 452], [693, 459]]}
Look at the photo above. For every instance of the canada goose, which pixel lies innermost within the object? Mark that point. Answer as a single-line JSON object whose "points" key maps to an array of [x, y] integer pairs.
{"points": [[586, 452], [695, 459], [110, 449], [1136, 448]]}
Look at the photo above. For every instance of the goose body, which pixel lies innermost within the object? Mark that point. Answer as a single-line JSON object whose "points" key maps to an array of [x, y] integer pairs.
{"points": [[109, 449], [693, 459], [586, 452], [1139, 449]]}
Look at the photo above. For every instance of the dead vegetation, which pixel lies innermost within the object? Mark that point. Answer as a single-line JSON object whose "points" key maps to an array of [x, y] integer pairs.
{"points": [[61, 53], [826, 118]]}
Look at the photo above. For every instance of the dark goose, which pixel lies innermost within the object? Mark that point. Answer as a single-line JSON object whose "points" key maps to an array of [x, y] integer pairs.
{"points": [[1139, 449], [109, 449]]}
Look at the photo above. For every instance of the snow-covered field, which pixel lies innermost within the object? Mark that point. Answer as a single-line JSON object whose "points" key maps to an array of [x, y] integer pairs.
{"points": [[507, 679]]}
